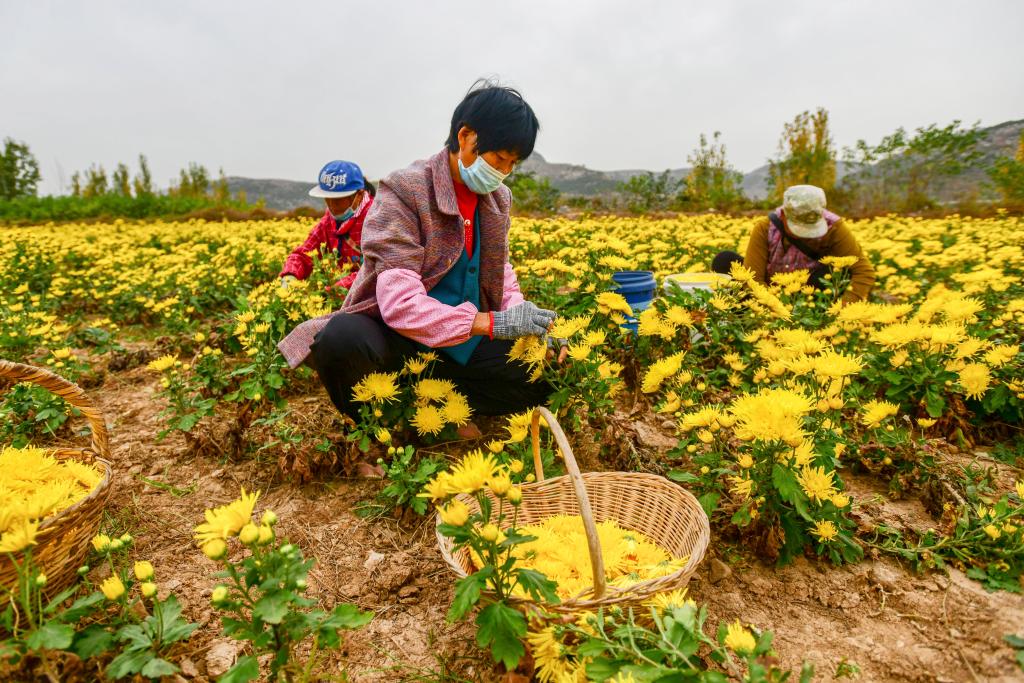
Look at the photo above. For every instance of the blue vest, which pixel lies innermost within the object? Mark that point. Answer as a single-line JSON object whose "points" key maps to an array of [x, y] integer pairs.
{"points": [[459, 285]]}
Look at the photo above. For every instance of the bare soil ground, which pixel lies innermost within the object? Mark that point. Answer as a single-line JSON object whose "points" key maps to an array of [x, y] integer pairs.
{"points": [[894, 624]]}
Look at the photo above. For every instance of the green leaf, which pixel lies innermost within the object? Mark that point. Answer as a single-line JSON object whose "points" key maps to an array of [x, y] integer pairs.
{"points": [[59, 599], [538, 586], [157, 668], [79, 608], [681, 476], [348, 617], [245, 669], [500, 627], [467, 594], [136, 635], [92, 641], [272, 607], [784, 479], [50, 636], [1014, 641], [934, 403], [128, 663], [709, 501]]}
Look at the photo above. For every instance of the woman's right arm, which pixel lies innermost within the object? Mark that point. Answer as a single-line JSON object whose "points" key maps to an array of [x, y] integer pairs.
{"points": [[299, 264], [757, 252]]}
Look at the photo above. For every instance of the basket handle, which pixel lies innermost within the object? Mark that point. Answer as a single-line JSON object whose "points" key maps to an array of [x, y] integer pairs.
{"points": [[71, 393], [593, 541]]}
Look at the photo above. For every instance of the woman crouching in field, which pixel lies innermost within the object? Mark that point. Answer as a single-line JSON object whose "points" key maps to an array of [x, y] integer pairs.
{"points": [[436, 271], [348, 197], [797, 236]]}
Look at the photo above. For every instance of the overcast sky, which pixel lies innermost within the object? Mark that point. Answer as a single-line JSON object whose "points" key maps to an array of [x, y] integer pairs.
{"points": [[275, 89]]}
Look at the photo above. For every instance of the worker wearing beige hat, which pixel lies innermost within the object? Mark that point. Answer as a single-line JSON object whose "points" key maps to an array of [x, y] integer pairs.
{"points": [[797, 236]]}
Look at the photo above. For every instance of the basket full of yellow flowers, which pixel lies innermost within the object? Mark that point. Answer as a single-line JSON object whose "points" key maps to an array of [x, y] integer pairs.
{"points": [[52, 500], [605, 538]]}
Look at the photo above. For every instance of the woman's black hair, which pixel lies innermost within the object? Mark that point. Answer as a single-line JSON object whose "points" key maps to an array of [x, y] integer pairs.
{"points": [[500, 117], [369, 187]]}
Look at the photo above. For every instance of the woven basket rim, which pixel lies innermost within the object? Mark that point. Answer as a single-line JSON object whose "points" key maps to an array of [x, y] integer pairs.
{"points": [[613, 594]]}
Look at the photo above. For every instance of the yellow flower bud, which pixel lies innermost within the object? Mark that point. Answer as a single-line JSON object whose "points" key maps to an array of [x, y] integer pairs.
{"points": [[266, 535], [215, 549], [112, 587], [101, 542], [516, 466], [41, 579], [489, 533], [219, 595], [143, 570], [249, 534], [148, 589], [515, 495], [499, 484], [269, 518], [383, 436]]}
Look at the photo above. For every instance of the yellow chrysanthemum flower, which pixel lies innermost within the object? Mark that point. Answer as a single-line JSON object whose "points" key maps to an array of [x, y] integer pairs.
{"points": [[825, 530], [377, 387], [227, 520], [739, 639], [428, 419], [816, 483]]}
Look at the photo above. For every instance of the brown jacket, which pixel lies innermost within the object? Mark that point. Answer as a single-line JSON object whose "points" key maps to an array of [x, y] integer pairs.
{"points": [[838, 241]]}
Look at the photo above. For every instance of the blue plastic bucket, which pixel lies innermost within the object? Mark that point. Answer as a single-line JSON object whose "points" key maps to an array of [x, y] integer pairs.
{"points": [[638, 288]]}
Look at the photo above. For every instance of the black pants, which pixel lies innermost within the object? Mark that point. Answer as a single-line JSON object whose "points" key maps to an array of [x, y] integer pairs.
{"points": [[354, 345], [724, 260]]}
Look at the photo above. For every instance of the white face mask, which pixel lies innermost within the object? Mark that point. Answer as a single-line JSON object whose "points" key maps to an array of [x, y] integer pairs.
{"points": [[480, 176]]}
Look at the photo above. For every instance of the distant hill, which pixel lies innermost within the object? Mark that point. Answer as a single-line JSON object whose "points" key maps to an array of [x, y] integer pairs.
{"points": [[282, 195], [576, 179], [1000, 140]]}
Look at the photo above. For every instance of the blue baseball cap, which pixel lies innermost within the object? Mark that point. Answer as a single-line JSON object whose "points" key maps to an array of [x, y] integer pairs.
{"points": [[338, 179]]}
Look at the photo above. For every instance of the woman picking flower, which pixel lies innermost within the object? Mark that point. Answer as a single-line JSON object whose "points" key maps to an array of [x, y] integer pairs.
{"points": [[436, 272], [348, 198], [799, 236]]}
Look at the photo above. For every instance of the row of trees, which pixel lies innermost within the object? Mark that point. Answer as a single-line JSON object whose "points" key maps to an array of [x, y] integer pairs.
{"points": [[903, 172], [96, 194], [193, 181]]}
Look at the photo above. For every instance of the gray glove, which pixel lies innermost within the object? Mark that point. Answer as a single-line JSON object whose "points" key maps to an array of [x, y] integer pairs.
{"points": [[523, 320]]}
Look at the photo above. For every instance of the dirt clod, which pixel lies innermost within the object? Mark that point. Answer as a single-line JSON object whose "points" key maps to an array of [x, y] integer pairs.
{"points": [[221, 657], [718, 570]]}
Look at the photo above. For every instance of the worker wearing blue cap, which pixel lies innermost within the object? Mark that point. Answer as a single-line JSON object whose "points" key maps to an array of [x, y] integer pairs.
{"points": [[348, 197]]}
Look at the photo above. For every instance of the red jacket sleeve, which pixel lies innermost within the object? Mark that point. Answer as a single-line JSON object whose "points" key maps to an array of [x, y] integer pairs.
{"points": [[299, 262]]}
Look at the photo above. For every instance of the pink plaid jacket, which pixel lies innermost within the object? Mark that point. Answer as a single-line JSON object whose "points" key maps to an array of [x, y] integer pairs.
{"points": [[412, 237]]}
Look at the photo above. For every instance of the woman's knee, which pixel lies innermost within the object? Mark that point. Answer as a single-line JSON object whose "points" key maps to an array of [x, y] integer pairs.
{"points": [[348, 334], [722, 263]]}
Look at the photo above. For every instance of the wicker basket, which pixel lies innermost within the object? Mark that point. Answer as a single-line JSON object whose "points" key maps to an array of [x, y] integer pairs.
{"points": [[663, 511], [63, 540]]}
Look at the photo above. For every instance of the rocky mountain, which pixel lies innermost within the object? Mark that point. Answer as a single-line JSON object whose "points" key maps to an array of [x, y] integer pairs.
{"points": [[282, 195], [575, 179]]}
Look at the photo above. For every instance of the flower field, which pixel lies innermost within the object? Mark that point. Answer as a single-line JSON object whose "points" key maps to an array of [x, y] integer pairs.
{"points": [[860, 464]]}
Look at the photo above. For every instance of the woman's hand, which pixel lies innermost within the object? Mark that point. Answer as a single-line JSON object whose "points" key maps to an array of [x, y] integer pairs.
{"points": [[523, 320]]}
